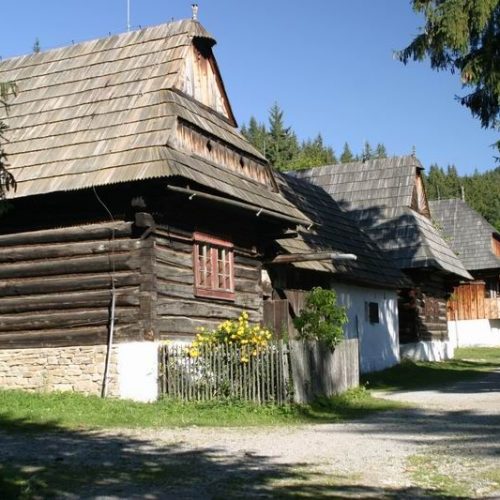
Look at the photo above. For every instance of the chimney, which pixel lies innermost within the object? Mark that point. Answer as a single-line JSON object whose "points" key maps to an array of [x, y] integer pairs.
{"points": [[195, 11]]}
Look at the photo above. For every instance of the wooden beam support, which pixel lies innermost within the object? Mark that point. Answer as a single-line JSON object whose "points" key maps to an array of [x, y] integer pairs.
{"points": [[315, 256], [245, 206]]}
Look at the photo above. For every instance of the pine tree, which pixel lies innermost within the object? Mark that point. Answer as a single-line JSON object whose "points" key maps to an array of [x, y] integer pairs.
{"points": [[367, 153], [312, 153], [256, 133], [463, 36], [282, 146], [36, 46], [346, 156], [380, 151]]}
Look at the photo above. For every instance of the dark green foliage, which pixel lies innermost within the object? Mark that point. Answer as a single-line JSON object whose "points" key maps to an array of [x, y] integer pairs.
{"points": [[380, 151], [312, 154], [7, 180], [346, 156], [321, 319], [367, 153], [279, 144], [256, 133], [36, 46], [463, 36], [282, 145], [482, 191]]}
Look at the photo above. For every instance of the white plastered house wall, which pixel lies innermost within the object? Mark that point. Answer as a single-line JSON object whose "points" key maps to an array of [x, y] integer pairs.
{"points": [[378, 342]]}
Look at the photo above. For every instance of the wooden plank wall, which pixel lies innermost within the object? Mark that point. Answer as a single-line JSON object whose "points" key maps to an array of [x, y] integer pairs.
{"points": [[319, 371], [468, 302], [179, 312], [55, 285]]}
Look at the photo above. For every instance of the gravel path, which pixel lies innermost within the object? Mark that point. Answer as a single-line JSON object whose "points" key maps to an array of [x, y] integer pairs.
{"points": [[459, 425]]}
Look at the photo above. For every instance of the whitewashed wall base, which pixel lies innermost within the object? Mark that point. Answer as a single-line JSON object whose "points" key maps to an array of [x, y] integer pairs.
{"points": [[431, 350], [138, 371], [475, 333]]}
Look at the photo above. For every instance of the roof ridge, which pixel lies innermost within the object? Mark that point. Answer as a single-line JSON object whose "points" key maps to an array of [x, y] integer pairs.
{"points": [[197, 31]]}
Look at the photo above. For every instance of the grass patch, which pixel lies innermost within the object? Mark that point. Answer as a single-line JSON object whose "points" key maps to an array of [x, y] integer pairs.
{"points": [[454, 476], [23, 410], [428, 472], [468, 364]]}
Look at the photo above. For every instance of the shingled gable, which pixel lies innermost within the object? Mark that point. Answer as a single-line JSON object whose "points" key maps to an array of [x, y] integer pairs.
{"points": [[335, 231], [141, 105], [469, 234], [387, 199]]}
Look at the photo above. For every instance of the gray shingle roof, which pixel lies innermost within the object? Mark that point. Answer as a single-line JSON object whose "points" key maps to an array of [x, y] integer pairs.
{"points": [[335, 231], [468, 232], [378, 195], [107, 111]]}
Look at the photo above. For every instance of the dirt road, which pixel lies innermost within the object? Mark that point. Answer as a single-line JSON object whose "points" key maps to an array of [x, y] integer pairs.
{"points": [[449, 443]]}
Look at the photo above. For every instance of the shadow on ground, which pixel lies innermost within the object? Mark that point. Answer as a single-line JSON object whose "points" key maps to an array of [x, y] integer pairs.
{"points": [[44, 461], [468, 433]]}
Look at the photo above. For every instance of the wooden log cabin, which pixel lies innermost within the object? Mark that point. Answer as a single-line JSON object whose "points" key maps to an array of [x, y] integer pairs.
{"points": [[140, 210], [474, 307], [386, 198]]}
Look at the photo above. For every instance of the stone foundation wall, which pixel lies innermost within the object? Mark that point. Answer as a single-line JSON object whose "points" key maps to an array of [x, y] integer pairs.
{"points": [[78, 369]]}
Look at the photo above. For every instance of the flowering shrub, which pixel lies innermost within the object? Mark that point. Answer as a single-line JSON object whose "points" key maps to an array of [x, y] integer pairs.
{"points": [[249, 339]]}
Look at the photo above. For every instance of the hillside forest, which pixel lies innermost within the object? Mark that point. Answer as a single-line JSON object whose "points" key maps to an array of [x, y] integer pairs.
{"points": [[280, 145]]}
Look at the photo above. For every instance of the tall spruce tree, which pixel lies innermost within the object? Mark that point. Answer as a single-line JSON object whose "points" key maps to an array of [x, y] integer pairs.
{"points": [[282, 144], [380, 151], [367, 153], [346, 156], [256, 133], [463, 36]]}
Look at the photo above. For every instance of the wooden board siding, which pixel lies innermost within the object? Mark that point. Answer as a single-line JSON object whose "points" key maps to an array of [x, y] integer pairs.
{"points": [[469, 302], [55, 286], [179, 312]]}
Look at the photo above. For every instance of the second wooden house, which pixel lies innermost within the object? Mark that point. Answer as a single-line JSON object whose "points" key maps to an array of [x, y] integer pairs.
{"points": [[386, 198]]}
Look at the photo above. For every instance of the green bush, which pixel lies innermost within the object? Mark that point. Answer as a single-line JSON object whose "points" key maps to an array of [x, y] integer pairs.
{"points": [[321, 319]]}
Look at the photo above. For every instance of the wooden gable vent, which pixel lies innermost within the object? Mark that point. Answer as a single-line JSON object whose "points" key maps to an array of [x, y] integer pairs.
{"points": [[202, 79]]}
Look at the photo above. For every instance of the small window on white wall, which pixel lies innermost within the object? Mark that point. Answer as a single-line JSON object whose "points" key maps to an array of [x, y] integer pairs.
{"points": [[372, 312]]}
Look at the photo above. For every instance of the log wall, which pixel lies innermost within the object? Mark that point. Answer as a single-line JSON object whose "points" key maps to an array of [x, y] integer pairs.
{"points": [[55, 286], [422, 310], [178, 311]]}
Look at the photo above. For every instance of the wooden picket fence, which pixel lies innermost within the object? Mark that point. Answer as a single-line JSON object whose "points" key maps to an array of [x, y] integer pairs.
{"points": [[226, 371]]}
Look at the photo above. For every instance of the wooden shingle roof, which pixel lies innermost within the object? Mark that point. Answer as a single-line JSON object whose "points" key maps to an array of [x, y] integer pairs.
{"points": [[378, 195], [108, 111], [468, 232], [335, 231]]}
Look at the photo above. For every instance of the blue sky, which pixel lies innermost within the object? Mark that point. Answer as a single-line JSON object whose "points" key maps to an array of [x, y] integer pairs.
{"points": [[328, 63]]}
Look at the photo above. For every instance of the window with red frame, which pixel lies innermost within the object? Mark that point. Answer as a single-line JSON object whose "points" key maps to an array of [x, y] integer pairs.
{"points": [[213, 267]]}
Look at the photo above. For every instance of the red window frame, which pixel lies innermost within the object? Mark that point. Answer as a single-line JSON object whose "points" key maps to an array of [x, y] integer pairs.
{"points": [[213, 267]]}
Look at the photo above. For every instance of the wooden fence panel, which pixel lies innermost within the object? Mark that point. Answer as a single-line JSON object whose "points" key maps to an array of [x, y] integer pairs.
{"points": [[225, 371], [469, 302], [319, 371]]}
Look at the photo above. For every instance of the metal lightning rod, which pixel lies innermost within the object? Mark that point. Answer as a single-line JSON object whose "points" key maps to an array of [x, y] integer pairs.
{"points": [[128, 15]]}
